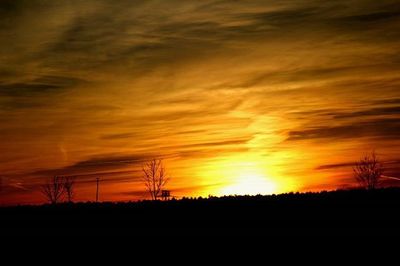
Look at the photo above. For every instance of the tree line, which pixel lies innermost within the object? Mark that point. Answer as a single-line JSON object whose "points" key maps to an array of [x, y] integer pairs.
{"points": [[367, 172]]}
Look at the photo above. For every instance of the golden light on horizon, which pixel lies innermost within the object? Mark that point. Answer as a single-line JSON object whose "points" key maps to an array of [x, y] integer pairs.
{"points": [[248, 177], [245, 174], [250, 183], [238, 98]]}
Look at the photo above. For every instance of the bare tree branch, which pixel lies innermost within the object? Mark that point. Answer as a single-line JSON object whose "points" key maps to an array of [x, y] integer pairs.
{"points": [[54, 189], [154, 177], [368, 171], [69, 184]]}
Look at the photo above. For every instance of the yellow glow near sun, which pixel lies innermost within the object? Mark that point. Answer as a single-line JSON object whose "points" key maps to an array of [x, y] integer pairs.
{"points": [[250, 183], [245, 174]]}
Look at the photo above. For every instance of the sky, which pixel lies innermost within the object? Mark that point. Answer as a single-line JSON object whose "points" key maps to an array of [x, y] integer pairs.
{"points": [[236, 97]]}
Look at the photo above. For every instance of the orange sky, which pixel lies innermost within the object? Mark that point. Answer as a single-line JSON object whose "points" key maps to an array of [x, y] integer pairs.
{"points": [[238, 97]]}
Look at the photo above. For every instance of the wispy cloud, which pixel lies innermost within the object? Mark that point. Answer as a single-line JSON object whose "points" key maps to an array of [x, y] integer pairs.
{"points": [[99, 163], [379, 128], [113, 83]]}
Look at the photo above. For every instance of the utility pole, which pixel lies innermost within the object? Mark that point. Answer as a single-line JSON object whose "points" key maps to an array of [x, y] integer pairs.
{"points": [[97, 189]]}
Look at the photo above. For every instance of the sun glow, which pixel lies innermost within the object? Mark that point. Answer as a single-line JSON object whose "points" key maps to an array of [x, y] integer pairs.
{"points": [[250, 184], [245, 175], [248, 173]]}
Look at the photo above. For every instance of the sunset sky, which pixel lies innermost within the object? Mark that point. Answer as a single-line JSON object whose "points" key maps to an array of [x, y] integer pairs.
{"points": [[238, 97]]}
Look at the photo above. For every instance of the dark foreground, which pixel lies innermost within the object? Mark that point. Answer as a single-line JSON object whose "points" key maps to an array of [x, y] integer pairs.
{"points": [[290, 227]]}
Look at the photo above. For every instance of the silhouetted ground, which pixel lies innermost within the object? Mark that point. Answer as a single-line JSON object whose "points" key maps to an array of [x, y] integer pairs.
{"points": [[283, 222]]}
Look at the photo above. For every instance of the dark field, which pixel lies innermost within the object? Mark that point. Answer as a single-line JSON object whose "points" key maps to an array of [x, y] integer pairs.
{"points": [[360, 224]]}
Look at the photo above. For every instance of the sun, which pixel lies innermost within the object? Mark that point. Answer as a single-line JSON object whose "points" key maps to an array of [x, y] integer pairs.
{"points": [[250, 185], [245, 174], [250, 182]]}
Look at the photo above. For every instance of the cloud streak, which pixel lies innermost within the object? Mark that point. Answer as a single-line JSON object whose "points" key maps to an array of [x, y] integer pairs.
{"points": [[94, 87]]}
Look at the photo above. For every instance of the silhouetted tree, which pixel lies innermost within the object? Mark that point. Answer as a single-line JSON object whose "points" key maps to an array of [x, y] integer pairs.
{"points": [[69, 183], [54, 189], [368, 171], [154, 177]]}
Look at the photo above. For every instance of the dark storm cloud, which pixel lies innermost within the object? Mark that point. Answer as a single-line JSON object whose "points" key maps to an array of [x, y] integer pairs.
{"points": [[379, 128], [383, 111], [395, 101], [335, 166], [19, 103], [100, 163], [373, 17], [40, 85], [35, 93], [282, 18], [388, 165]]}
